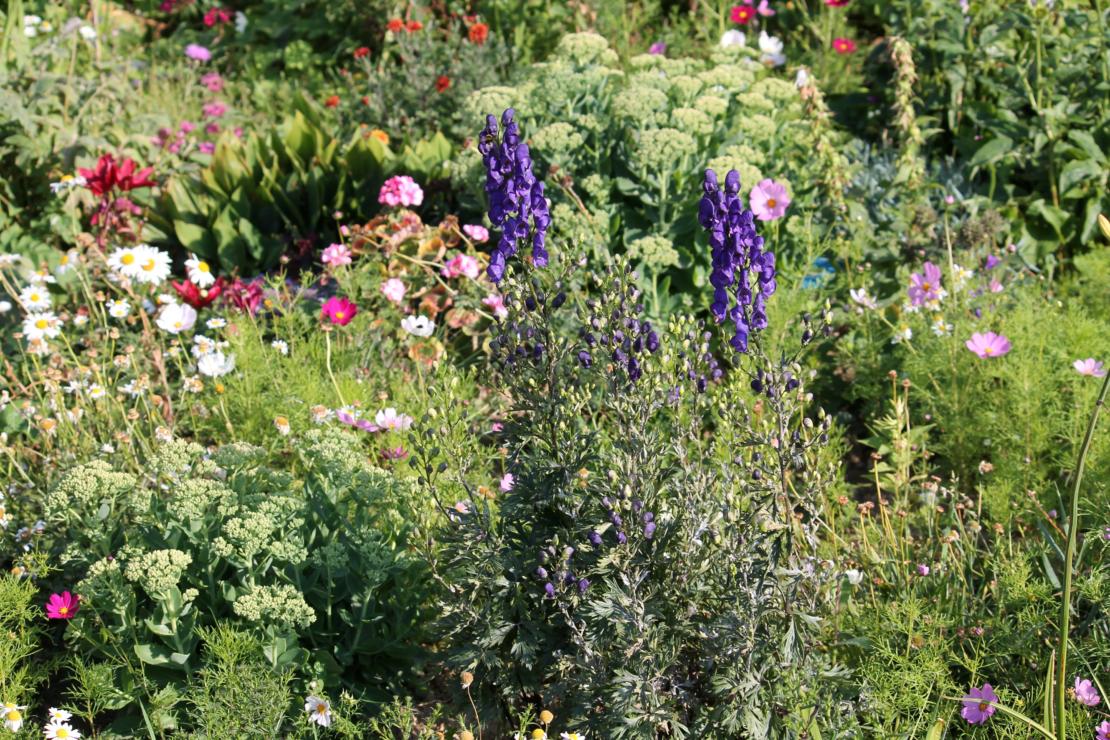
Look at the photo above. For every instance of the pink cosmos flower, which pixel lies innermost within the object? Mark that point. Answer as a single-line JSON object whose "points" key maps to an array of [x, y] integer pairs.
{"points": [[844, 46], [212, 128], [213, 110], [212, 81], [401, 191], [62, 606], [462, 507], [362, 424], [989, 344], [996, 287], [463, 264], [477, 233], [1085, 693], [507, 482], [336, 255], [389, 420], [764, 10], [1103, 731], [497, 426], [187, 127], [922, 570], [194, 51], [394, 453], [339, 311], [768, 200], [206, 147], [394, 290], [976, 710], [925, 287], [496, 304], [1090, 367], [836, 3]]}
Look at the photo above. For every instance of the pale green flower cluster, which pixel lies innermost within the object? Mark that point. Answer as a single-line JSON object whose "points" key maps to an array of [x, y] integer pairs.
{"points": [[656, 252], [85, 484], [102, 576], [283, 605], [491, 100], [758, 126], [331, 556], [191, 497], [755, 101], [672, 68], [747, 154], [711, 105], [660, 149], [158, 571], [589, 122], [291, 550], [652, 79], [644, 61], [775, 89], [728, 76], [585, 47], [248, 534], [239, 456], [638, 103], [467, 168], [693, 121], [685, 88], [557, 138], [177, 456]]}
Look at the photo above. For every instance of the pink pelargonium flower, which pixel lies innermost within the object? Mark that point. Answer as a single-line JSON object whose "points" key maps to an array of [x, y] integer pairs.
{"points": [[62, 606], [336, 254], [212, 81], [401, 190], [1085, 693], [463, 264], [989, 344], [1089, 367], [477, 233], [394, 290], [507, 482], [976, 709], [339, 311], [195, 51], [187, 127], [496, 304], [768, 200], [925, 287]]}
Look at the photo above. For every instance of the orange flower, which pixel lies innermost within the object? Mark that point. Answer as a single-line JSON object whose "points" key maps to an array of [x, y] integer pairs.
{"points": [[443, 83], [361, 52], [413, 26], [395, 25], [381, 136], [332, 102], [478, 33]]}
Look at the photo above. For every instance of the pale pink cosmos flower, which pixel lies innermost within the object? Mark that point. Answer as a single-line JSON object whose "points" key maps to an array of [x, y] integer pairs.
{"points": [[496, 304], [925, 287], [363, 424], [860, 296], [477, 233], [463, 264], [497, 426], [401, 190], [996, 287], [394, 290], [768, 200], [390, 420], [764, 10], [212, 81], [1102, 732], [1085, 693], [336, 254], [1090, 367], [989, 344], [507, 482], [462, 507]]}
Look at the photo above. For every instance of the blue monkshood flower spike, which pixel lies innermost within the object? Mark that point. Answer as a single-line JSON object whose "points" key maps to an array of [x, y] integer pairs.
{"points": [[516, 199], [740, 266]]}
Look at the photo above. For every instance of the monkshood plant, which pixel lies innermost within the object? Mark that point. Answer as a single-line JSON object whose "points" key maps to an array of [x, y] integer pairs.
{"points": [[652, 566]]}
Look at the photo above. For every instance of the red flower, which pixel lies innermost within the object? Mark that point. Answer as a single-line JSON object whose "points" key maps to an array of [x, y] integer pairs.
{"points": [[107, 176], [332, 102], [414, 26], [361, 52], [197, 297], [844, 46], [62, 606], [395, 25], [365, 100], [339, 311], [246, 296], [478, 33], [742, 14], [443, 83]]}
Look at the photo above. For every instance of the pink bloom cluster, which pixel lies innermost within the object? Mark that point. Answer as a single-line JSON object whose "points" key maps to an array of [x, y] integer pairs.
{"points": [[477, 233], [496, 304], [336, 255], [214, 110], [463, 264], [212, 81], [166, 137], [401, 191], [394, 290]]}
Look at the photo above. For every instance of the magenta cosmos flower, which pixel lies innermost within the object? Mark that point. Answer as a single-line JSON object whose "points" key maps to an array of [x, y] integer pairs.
{"points": [[195, 51], [989, 344], [1089, 367], [1085, 693], [976, 709], [339, 311], [922, 570], [65, 606], [401, 190], [394, 289], [768, 200], [925, 287], [335, 255]]}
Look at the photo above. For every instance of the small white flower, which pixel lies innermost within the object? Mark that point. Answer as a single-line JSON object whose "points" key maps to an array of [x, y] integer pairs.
{"points": [[281, 346], [240, 21], [962, 276], [126, 260], [854, 577], [34, 299], [165, 299], [154, 265], [215, 365], [942, 328], [75, 386], [31, 20], [199, 272], [69, 261], [88, 33], [771, 46], [860, 296], [97, 391], [80, 319], [733, 38], [319, 710], [216, 323], [30, 32], [903, 334], [802, 78], [202, 346], [107, 448], [419, 326], [59, 715], [7, 260], [573, 735], [41, 325], [13, 716], [67, 182], [5, 306], [133, 388], [119, 309], [177, 318]]}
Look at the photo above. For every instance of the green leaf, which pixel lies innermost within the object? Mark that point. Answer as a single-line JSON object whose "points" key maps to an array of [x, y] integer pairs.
{"points": [[1077, 171], [196, 239], [232, 252], [992, 151], [308, 109], [1090, 220], [301, 139], [1086, 142], [936, 732], [154, 654]]}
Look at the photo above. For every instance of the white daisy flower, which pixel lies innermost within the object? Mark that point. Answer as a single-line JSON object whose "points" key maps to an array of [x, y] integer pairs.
{"points": [[97, 391], [281, 346], [5, 306], [69, 261], [319, 710], [60, 730], [177, 318], [13, 716], [119, 309], [198, 271], [80, 319], [216, 323], [67, 182], [903, 334], [9, 259], [59, 715], [126, 260], [941, 328], [41, 325], [34, 299], [154, 266]]}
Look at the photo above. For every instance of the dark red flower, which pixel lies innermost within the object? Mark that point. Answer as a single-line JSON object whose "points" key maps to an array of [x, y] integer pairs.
{"points": [[332, 102], [478, 33], [361, 52], [443, 83], [395, 25], [246, 296], [107, 176], [198, 297], [414, 26]]}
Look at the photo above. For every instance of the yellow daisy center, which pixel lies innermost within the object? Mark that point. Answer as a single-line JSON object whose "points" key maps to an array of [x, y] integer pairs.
{"points": [[67, 178], [771, 203], [322, 708], [203, 267], [149, 265], [42, 324], [62, 732], [127, 259], [65, 260], [35, 297], [14, 716]]}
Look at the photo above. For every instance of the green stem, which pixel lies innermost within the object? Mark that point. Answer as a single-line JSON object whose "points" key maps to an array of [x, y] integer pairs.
{"points": [[1073, 531], [327, 339]]}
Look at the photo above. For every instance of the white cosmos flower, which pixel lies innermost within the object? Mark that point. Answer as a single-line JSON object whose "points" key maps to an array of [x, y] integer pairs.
{"points": [[319, 710], [215, 365], [240, 21], [119, 309], [854, 577], [34, 299], [154, 265], [860, 296], [60, 730], [41, 326], [420, 326], [733, 37], [198, 272], [771, 46], [177, 318]]}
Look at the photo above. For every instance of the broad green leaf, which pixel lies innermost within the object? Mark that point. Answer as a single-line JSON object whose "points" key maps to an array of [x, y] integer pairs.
{"points": [[362, 161], [154, 654], [1077, 171], [308, 109], [232, 252], [1090, 220], [992, 151], [301, 139], [1086, 142], [196, 239]]}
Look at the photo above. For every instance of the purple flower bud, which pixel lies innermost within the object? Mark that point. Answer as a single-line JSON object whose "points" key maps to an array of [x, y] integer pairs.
{"points": [[550, 590], [585, 358], [621, 538], [582, 586], [541, 573], [595, 539], [648, 517], [649, 530], [637, 505]]}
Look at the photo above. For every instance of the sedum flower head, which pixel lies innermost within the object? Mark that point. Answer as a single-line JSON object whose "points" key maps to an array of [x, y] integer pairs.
{"points": [[192, 497], [239, 455], [775, 89], [660, 149], [693, 121], [282, 605], [159, 571], [644, 61], [638, 103], [656, 252], [86, 484], [755, 101], [685, 88], [712, 105], [492, 98], [557, 138], [177, 456], [582, 47], [728, 76], [758, 127]]}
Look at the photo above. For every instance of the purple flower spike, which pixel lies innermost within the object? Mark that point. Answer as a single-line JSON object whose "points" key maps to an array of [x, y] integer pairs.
{"points": [[976, 709], [582, 586]]}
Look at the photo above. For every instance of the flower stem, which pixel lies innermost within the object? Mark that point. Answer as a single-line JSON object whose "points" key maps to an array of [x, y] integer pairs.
{"points": [[327, 339]]}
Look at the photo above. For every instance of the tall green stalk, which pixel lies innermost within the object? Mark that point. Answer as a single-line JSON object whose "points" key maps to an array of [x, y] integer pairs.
{"points": [[1073, 531]]}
